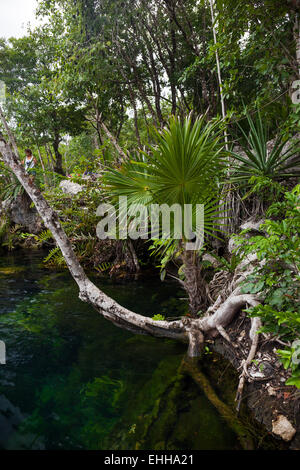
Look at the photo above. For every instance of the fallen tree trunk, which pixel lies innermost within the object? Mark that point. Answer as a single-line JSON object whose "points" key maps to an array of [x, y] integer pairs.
{"points": [[88, 291], [187, 329]]}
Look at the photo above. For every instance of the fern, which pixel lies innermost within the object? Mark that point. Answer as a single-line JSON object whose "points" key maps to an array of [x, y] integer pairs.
{"points": [[44, 236], [4, 227], [55, 258], [51, 254], [103, 267]]}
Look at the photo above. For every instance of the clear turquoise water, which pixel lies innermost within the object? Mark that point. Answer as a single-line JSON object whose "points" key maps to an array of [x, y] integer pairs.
{"points": [[75, 381]]}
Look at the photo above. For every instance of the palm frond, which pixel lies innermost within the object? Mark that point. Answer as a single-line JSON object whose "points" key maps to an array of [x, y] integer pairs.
{"points": [[277, 164]]}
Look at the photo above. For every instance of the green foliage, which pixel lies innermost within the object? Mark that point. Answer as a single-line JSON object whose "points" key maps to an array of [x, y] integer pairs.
{"points": [[265, 188], [81, 157], [229, 266], [44, 236], [55, 258], [277, 276], [165, 251], [261, 163], [10, 236], [291, 359], [158, 317], [12, 190], [78, 217], [256, 47], [103, 267], [169, 172], [10, 187]]}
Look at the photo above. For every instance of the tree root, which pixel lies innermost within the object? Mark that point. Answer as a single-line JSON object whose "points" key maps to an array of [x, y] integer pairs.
{"points": [[196, 342], [254, 336], [225, 312], [223, 333]]}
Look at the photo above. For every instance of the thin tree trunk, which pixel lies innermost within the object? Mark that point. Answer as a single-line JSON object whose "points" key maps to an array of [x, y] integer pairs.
{"points": [[137, 133], [134, 256], [297, 36], [58, 157], [42, 165], [113, 141], [218, 68], [50, 165], [51, 157]]}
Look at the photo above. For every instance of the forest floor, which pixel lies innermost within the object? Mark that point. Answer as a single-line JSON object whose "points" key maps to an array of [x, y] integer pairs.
{"points": [[265, 392]]}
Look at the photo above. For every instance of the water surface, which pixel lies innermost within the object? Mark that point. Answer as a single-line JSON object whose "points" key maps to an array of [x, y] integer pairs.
{"points": [[75, 381]]}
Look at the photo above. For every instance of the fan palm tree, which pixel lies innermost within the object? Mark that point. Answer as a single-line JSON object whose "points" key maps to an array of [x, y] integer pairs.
{"points": [[184, 166]]}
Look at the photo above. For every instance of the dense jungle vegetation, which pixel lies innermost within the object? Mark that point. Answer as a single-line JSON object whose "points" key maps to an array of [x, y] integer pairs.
{"points": [[166, 102]]}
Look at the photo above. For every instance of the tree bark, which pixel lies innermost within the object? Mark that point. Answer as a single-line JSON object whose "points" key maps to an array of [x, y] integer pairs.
{"points": [[297, 40], [113, 140], [58, 156], [194, 283], [42, 164]]}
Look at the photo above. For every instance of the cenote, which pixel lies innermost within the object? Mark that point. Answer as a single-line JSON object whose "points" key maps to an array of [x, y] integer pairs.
{"points": [[74, 381]]}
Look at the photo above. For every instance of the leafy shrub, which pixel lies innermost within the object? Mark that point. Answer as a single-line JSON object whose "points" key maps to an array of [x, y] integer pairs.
{"points": [[278, 276]]}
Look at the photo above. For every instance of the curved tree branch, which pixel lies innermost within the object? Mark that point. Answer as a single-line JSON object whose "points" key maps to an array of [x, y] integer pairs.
{"points": [[187, 329], [88, 291]]}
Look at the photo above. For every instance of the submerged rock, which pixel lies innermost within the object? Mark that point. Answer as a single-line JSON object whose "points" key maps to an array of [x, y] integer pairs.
{"points": [[11, 270]]}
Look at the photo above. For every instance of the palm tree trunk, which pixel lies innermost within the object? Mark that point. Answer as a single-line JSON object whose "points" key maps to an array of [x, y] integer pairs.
{"points": [[194, 283]]}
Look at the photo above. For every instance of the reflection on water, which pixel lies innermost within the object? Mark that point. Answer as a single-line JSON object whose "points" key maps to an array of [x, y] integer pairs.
{"points": [[75, 381]]}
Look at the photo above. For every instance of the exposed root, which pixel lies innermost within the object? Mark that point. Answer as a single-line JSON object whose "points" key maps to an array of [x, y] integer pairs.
{"points": [[223, 333], [226, 311], [215, 306], [223, 314], [254, 336], [221, 282], [196, 342]]}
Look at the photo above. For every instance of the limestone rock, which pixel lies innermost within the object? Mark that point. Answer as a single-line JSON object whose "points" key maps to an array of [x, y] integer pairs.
{"points": [[69, 187], [232, 245], [271, 391], [21, 213], [283, 428], [253, 226], [214, 262]]}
